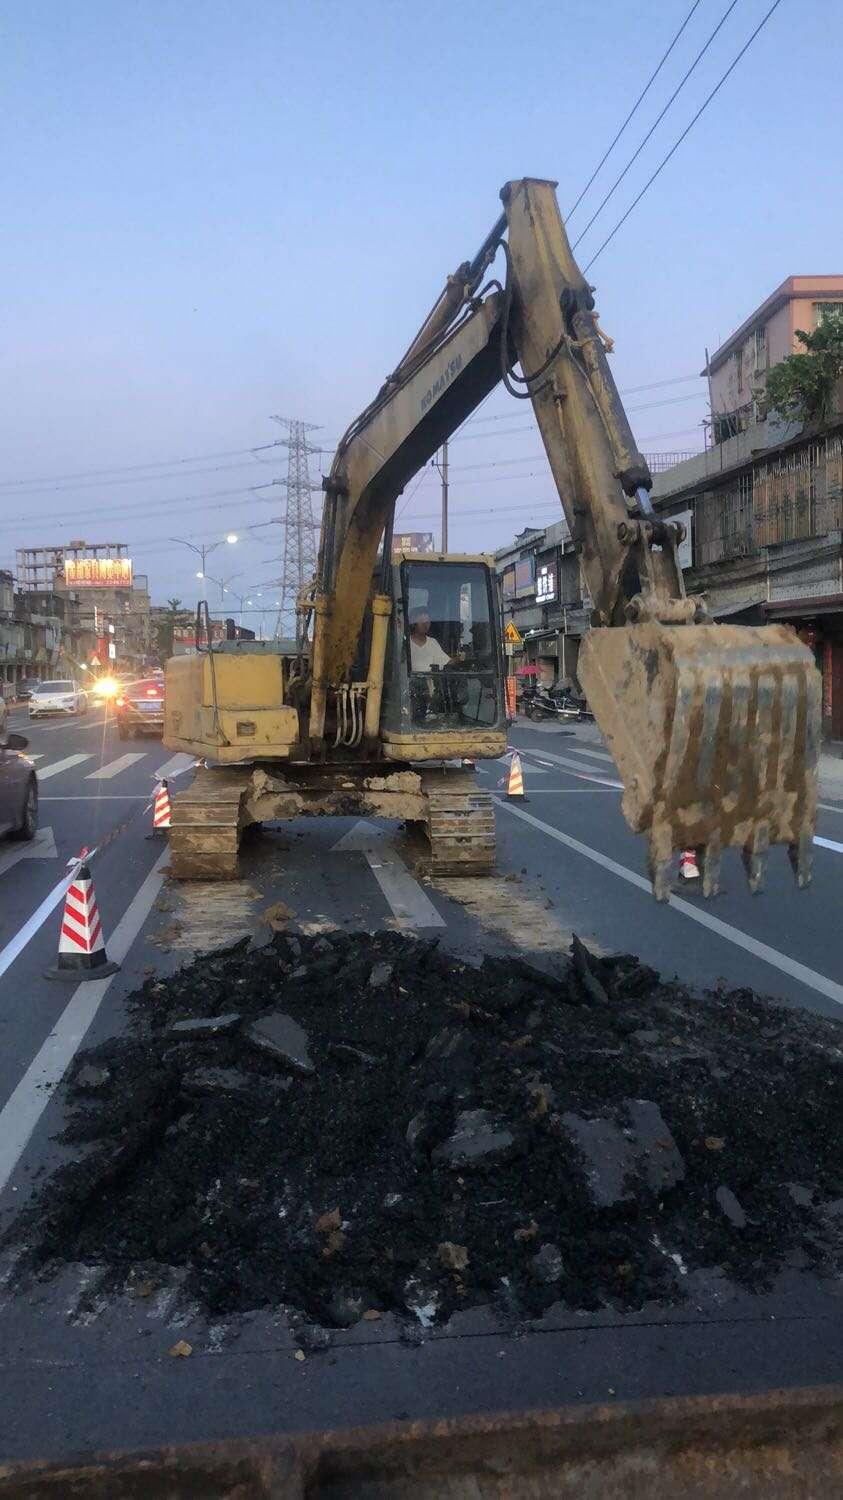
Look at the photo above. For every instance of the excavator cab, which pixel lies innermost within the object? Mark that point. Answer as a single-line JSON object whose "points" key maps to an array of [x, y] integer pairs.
{"points": [[443, 674]]}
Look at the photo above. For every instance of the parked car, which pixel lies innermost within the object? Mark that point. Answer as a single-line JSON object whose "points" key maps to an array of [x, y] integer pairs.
{"points": [[18, 784], [60, 696], [24, 690], [139, 708]]}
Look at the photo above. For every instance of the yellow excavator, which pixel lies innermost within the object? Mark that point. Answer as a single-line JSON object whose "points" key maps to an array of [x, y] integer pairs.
{"points": [[397, 668]]}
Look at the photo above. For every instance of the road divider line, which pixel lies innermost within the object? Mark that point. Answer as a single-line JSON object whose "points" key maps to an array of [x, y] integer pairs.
{"points": [[99, 797], [176, 766], [114, 767], [831, 806], [27, 1103], [773, 956], [575, 768], [410, 906], [591, 754], [828, 844], [63, 765]]}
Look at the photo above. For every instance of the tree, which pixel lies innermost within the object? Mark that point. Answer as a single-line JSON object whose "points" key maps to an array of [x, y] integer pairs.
{"points": [[802, 386], [166, 625]]}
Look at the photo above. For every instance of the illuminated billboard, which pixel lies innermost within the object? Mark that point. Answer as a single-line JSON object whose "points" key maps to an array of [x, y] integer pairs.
{"points": [[98, 572]]}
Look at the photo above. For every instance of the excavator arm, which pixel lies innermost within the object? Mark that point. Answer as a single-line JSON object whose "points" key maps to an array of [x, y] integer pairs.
{"points": [[714, 729]]}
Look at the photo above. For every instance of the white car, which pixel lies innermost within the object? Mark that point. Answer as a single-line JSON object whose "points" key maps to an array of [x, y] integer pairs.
{"points": [[59, 697]]}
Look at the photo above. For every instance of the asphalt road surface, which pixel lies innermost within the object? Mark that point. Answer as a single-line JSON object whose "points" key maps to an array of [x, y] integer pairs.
{"points": [[82, 1371]]}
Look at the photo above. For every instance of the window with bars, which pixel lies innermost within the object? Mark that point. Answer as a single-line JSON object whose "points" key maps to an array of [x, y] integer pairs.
{"points": [[823, 311]]}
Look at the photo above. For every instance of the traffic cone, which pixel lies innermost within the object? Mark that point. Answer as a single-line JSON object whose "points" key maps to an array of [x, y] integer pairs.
{"points": [[688, 867], [82, 952], [161, 809], [515, 785]]}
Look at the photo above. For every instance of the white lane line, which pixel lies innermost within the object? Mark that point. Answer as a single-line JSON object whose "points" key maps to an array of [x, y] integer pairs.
{"points": [[560, 791], [69, 723], [62, 765], [175, 766], [828, 844], [410, 906], [101, 797], [576, 768], [114, 767], [43, 846], [26, 1105], [592, 754], [35, 757], [831, 806], [781, 961]]}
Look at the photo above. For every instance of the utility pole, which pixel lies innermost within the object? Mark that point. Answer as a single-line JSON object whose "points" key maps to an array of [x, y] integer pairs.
{"points": [[444, 473], [298, 559]]}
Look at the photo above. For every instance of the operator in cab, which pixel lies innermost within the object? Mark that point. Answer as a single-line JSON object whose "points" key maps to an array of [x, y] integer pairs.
{"points": [[425, 650]]}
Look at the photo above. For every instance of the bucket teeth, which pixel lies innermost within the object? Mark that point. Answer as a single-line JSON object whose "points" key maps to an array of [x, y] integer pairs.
{"points": [[755, 856], [661, 860], [711, 855], [715, 731], [801, 856]]}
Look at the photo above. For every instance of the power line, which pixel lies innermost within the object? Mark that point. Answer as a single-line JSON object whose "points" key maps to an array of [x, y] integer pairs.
{"points": [[161, 463], [674, 148], [651, 80], [142, 507], [634, 157]]}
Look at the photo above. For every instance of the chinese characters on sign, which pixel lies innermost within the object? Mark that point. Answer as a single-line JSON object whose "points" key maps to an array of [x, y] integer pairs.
{"points": [[545, 583], [412, 541], [98, 572]]}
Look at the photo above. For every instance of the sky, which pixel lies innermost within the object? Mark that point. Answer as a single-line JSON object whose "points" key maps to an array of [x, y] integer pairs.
{"points": [[216, 213]]}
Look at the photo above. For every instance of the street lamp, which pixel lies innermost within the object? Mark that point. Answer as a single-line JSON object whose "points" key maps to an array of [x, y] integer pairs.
{"points": [[204, 550]]}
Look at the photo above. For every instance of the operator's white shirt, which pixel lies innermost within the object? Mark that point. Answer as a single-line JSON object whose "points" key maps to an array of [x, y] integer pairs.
{"points": [[428, 655]]}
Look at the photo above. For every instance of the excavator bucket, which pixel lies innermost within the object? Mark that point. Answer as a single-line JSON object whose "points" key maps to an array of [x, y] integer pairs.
{"points": [[715, 731]]}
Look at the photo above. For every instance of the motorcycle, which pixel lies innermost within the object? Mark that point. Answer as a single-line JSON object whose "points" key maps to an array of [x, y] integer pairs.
{"points": [[556, 703]]}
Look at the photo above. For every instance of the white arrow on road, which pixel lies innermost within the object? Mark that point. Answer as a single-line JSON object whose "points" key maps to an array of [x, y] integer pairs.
{"points": [[410, 906], [43, 846]]}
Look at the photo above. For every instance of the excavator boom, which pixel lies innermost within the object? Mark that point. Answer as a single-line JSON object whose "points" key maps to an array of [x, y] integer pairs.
{"points": [[714, 729]]}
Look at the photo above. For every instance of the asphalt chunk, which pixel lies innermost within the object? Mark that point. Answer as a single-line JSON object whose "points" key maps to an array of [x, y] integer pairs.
{"points": [[494, 1135]]}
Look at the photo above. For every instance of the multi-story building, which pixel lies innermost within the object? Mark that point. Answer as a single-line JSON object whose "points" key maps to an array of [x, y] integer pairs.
{"points": [[764, 505], [737, 371], [542, 596]]}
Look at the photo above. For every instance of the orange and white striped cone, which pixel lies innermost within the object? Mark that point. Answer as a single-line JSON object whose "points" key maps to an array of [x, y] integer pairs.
{"points": [[515, 784], [82, 952], [688, 867], [160, 809]]}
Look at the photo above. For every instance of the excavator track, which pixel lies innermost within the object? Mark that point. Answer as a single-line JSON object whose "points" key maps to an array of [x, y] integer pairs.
{"points": [[460, 824], [208, 818]]}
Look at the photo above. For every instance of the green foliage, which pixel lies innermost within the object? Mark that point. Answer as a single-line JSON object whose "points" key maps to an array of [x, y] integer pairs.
{"points": [[166, 625], [802, 386]]}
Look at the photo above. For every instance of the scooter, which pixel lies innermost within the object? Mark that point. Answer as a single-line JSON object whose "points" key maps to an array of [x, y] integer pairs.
{"points": [[556, 703]]}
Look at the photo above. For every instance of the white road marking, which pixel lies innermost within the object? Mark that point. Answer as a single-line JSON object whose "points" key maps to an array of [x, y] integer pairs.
{"points": [[176, 766], [43, 846], [30, 756], [114, 767], [100, 797], [831, 806], [71, 722], [410, 906], [576, 768], [27, 1103], [62, 765], [592, 754], [781, 961], [828, 844], [562, 791]]}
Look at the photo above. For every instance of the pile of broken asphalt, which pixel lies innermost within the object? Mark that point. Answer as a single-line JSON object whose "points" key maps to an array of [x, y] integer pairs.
{"points": [[353, 1124]]}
